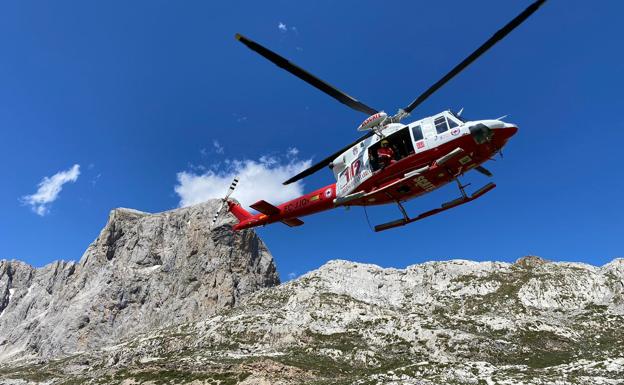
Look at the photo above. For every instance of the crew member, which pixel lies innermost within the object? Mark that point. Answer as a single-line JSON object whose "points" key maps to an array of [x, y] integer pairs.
{"points": [[385, 154]]}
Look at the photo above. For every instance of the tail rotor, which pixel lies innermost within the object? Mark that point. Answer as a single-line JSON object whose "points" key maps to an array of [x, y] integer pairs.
{"points": [[224, 201]]}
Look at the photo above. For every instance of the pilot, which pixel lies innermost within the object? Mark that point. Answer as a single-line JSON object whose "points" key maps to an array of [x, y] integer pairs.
{"points": [[385, 154]]}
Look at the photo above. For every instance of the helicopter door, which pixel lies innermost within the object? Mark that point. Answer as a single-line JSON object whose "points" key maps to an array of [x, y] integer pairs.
{"points": [[429, 133], [401, 144]]}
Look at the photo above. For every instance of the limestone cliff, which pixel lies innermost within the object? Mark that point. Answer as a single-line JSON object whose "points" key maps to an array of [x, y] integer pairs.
{"points": [[144, 271]]}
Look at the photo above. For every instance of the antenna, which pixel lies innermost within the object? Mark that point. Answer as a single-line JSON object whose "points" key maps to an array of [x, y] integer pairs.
{"points": [[224, 201]]}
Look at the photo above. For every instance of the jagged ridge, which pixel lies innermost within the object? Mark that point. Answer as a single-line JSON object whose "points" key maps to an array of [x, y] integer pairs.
{"points": [[459, 322]]}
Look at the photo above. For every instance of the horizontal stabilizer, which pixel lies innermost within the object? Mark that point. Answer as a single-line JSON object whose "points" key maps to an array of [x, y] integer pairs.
{"points": [[292, 222], [265, 208]]}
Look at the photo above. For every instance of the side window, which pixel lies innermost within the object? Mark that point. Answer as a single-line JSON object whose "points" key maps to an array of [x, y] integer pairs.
{"points": [[451, 122], [417, 132], [440, 124]]}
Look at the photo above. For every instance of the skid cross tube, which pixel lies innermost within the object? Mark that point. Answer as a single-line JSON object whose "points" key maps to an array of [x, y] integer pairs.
{"points": [[462, 188], [405, 216]]}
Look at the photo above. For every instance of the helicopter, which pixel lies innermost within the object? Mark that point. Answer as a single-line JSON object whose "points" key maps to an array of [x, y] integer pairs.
{"points": [[393, 162]]}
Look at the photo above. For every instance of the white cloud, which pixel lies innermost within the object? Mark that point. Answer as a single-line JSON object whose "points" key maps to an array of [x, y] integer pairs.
{"points": [[239, 118], [292, 275], [49, 190], [261, 179], [95, 179], [292, 152], [283, 28], [218, 147]]}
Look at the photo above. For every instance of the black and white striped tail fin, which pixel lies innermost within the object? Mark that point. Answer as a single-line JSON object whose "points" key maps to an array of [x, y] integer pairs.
{"points": [[224, 201]]}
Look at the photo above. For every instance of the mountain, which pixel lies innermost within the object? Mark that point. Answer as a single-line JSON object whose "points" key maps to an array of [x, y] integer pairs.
{"points": [[144, 271], [452, 322]]}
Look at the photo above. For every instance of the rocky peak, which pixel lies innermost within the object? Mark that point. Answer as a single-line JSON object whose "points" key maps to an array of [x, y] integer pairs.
{"points": [[143, 271], [530, 261], [616, 267]]}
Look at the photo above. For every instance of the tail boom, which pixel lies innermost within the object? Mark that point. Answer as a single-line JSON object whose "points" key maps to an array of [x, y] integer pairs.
{"points": [[316, 201], [238, 211]]}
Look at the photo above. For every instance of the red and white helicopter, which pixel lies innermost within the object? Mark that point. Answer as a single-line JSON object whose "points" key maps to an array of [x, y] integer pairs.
{"points": [[425, 154]]}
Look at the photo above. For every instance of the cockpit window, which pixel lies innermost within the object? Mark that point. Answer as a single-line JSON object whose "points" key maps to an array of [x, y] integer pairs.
{"points": [[452, 123], [417, 132], [457, 117], [440, 124]]}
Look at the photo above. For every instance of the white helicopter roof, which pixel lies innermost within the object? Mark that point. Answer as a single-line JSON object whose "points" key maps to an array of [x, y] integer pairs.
{"points": [[388, 130]]}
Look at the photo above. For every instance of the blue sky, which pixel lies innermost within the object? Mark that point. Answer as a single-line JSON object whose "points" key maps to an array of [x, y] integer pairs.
{"points": [[136, 93]]}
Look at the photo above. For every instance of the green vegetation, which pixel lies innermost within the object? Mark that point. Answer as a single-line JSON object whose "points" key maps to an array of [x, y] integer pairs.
{"points": [[174, 377]]}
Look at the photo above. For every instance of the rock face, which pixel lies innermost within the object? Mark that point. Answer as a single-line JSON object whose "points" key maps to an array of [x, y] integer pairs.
{"points": [[143, 272]]}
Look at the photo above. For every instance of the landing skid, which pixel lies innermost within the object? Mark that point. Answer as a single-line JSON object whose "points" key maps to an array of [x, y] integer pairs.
{"points": [[445, 206]]}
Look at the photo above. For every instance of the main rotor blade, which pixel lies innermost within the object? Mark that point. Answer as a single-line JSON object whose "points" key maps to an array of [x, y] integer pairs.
{"points": [[306, 76], [499, 35], [326, 161]]}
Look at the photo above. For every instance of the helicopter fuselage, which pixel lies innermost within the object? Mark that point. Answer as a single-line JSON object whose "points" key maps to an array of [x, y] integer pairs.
{"points": [[428, 154]]}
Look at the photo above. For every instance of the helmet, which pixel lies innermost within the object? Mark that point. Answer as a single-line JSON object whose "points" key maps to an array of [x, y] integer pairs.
{"points": [[384, 142]]}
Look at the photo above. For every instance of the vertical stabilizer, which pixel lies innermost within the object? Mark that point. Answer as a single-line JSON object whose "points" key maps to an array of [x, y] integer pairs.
{"points": [[239, 212]]}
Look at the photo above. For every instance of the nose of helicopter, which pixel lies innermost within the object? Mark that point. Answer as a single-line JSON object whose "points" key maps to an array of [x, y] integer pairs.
{"points": [[485, 130], [505, 132], [501, 132], [499, 124]]}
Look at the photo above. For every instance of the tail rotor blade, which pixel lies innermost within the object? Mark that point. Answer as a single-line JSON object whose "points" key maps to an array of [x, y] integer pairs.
{"points": [[232, 187], [214, 219], [224, 201]]}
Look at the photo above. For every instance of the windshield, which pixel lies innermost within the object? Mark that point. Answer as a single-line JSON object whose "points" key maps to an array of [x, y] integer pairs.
{"points": [[457, 117]]}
